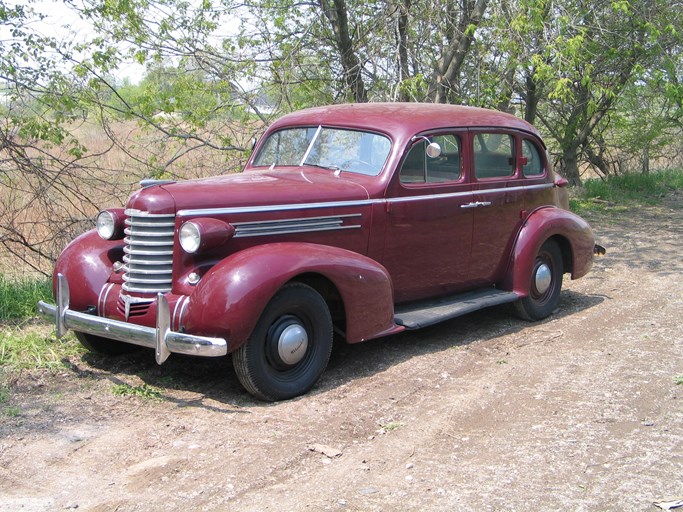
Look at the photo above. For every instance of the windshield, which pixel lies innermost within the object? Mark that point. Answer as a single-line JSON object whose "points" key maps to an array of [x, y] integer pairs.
{"points": [[331, 148]]}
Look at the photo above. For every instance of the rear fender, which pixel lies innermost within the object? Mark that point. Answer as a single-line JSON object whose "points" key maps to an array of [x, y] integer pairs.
{"points": [[230, 297], [572, 233], [87, 264]]}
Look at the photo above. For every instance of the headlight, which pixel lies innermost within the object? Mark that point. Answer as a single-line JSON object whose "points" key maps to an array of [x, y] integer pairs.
{"points": [[204, 234], [190, 237], [109, 224]]}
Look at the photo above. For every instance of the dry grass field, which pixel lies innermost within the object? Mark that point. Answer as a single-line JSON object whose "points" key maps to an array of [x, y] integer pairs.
{"points": [[44, 206]]}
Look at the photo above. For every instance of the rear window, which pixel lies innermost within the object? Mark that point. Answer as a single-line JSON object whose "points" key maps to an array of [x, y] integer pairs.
{"points": [[533, 163], [493, 155]]}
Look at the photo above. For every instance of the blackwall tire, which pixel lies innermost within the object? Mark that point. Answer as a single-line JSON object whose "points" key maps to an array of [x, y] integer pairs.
{"points": [[290, 346], [104, 346], [545, 285]]}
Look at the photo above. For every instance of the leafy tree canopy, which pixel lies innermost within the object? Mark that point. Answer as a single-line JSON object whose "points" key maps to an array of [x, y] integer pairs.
{"points": [[603, 80]]}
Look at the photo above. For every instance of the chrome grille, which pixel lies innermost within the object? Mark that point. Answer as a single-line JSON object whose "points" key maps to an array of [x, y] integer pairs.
{"points": [[148, 252]]}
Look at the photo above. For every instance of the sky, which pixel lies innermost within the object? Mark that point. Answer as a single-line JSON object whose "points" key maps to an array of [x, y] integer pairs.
{"points": [[64, 23]]}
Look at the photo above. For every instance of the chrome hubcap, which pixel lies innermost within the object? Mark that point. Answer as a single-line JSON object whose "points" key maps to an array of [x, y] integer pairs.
{"points": [[543, 278], [292, 344]]}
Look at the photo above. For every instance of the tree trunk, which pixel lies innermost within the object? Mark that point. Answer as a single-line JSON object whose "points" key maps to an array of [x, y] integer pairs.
{"points": [[404, 71], [598, 159], [507, 90], [569, 165], [461, 36], [337, 14], [646, 159], [531, 99]]}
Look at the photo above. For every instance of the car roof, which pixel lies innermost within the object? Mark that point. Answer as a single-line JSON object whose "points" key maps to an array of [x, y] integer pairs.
{"points": [[403, 119]]}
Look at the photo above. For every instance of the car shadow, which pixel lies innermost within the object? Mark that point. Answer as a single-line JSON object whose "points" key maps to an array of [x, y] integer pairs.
{"points": [[351, 362], [212, 384]]}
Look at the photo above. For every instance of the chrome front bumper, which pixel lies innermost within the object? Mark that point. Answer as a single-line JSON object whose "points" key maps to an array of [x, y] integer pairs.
{"points": [[162, 338]]}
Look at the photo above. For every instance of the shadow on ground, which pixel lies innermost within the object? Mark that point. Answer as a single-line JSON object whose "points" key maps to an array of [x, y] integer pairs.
{"points": [[213, 380]]}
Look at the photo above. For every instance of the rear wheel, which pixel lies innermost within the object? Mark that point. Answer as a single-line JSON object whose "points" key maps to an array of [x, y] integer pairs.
{"points": [[290, 346], [104, 346], [545, 286]]}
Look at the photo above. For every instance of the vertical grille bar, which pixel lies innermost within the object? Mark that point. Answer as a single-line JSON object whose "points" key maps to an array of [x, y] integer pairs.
{"points": [[148, 252]]}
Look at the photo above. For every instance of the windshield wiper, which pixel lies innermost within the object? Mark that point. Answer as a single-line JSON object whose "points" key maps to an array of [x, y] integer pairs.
{"points": [[321, 166]]}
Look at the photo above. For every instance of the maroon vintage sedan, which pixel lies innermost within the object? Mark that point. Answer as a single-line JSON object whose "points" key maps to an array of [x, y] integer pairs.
{"points": [[361, 220]]}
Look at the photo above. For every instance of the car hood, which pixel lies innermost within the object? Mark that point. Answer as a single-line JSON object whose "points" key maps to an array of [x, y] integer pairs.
{"points": [[252, 188]]}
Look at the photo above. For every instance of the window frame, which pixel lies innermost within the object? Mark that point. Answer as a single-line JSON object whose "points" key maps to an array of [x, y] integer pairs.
{"points": [[459, 136], [513, 158], [541, 158]]}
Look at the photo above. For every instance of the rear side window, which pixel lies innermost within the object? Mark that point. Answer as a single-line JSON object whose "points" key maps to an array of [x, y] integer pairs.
{"points": [[420, 168], [533, 165], [493, 155]]}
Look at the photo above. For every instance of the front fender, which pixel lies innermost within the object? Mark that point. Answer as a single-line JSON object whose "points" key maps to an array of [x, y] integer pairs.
{"points": [[231, 297], [573, 234], [87, 263]]}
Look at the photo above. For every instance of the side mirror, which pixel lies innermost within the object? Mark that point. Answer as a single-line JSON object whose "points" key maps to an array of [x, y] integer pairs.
{"points": [[433, 150]]}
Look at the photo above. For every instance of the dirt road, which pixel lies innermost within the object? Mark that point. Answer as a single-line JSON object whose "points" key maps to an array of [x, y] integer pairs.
{"points": [[579, 412]]}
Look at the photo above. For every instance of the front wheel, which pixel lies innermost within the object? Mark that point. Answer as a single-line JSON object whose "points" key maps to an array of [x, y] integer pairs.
{"points": [[290, 346], [104, 346], [545, 286]]}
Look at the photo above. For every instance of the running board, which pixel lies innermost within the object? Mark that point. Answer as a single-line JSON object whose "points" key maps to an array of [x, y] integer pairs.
{"points": [[425, 313]]}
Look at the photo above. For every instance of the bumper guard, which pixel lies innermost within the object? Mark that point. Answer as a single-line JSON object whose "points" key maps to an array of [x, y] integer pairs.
{"points": [[162, 339]]}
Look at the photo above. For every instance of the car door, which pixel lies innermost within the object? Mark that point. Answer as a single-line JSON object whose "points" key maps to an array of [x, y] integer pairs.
{"points": [[428, 233], [498, 205]]}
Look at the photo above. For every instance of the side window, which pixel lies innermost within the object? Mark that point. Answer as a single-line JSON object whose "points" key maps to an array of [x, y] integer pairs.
{"points": [[419, 168], [533, 159], [493, 155]]}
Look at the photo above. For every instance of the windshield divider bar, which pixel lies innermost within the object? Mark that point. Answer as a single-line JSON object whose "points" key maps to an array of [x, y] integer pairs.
{"points": [[310, 146]]}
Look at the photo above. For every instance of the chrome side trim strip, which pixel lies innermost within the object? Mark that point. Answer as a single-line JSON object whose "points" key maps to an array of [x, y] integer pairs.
{"points": [[346, 204], [525, 187], [469, 193], [410, 199], [277, 207], [300, 225]]}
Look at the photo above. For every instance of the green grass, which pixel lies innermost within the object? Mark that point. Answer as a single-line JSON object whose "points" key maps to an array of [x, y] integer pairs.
{"points": [[391, 426], [145, 391], [22, 348], [626, 190], [18, 297], [678, 380], [11, 411], [22, 345]]}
